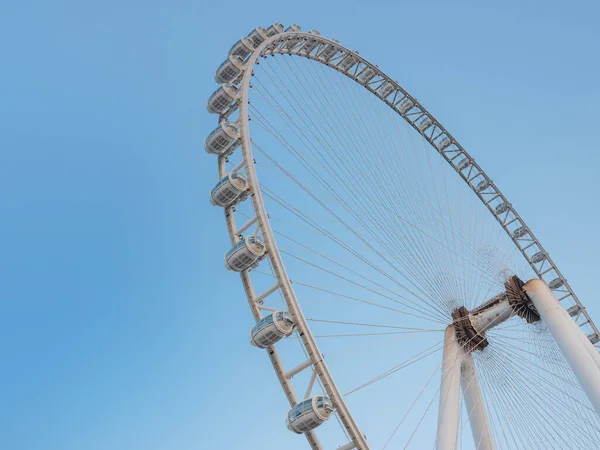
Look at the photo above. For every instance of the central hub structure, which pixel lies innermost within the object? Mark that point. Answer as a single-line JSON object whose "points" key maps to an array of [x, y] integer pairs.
{"points": [[470, 326]]}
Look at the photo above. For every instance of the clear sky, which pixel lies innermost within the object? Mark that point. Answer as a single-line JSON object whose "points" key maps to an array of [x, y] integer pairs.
{"points": [[119, 326]]}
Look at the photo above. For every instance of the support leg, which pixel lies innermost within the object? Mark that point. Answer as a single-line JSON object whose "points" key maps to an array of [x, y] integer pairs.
{"points": [[567, 336], [480, 426], [449, 393], [593, 351]]}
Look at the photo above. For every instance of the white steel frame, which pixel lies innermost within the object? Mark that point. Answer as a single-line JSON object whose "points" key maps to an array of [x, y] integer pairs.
{"points": [[443, 142]]}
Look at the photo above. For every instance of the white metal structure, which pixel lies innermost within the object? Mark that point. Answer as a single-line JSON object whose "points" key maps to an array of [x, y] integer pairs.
{"points": [[468, 331]]}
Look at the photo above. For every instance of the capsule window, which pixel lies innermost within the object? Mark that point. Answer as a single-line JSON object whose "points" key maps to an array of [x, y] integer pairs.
{"points": [[556, 283], [274, 29], [443, 143], [482, 186], [255, 38], [367, 75], [225, 196], [538, 257], [405, 106], [520, 232], [263, 323], [217, 141], [386, 89], [425, 124], [221, 102], [347, 63], [239, 49], [501, 208], [227, 72]]}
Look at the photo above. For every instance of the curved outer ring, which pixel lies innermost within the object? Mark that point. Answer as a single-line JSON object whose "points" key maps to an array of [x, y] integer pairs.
{"points": [[433, 134]]}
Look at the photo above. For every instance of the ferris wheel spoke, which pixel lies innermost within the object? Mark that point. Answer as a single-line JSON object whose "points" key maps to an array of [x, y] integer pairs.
{"points": [[541, 394], [375, 142], [518, 430], [347, 248], [406, 363], [371, 325], [531, 395], [553, 385], [416, 309]]}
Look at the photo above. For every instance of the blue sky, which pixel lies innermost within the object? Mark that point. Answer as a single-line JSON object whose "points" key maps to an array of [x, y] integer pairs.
{"points": [[119, 326]]}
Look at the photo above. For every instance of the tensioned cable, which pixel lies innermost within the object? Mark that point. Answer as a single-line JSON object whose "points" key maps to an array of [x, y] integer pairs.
{"points": [[430, 260]]}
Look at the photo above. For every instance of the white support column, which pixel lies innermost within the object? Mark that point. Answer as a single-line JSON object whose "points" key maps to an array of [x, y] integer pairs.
{"points": [[480, 425], [593, 351], [566, 334], [449, 412]]}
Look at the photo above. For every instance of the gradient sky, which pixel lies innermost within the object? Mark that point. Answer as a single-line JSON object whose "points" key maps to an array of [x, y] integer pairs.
{"points": [[119, 326]]}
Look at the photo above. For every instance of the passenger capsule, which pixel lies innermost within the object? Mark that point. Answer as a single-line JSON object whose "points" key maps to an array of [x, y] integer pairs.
{"points": [[223, 139], [405, 106], [309, 414], [538, 257], [229, 70], [425, 124], [482, 185], [230, 190], [222, 99], [241, 48], [463, 164], [245, 254], [520, 232], [271, 329], [274, 29], [594, 338], [367, 74], [574, 310], [329, 51], [386, 89], [441, 145], [556, 283], [501, 208], [292, 42], [257, 36], [293, 28], [347, 62]]}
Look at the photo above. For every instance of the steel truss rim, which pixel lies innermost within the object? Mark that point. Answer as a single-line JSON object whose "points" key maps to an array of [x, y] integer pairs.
{"points": [[273, 45]]}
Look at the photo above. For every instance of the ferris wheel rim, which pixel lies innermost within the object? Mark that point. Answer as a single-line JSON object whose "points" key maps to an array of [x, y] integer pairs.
{"points": [[262, 218]]}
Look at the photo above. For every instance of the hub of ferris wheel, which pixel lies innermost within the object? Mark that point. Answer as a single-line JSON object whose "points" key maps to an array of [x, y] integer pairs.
{"points": [[471, 326]]}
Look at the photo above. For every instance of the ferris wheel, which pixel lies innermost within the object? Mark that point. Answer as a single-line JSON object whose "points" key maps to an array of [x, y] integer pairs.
{"points": [[376, 250]]}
